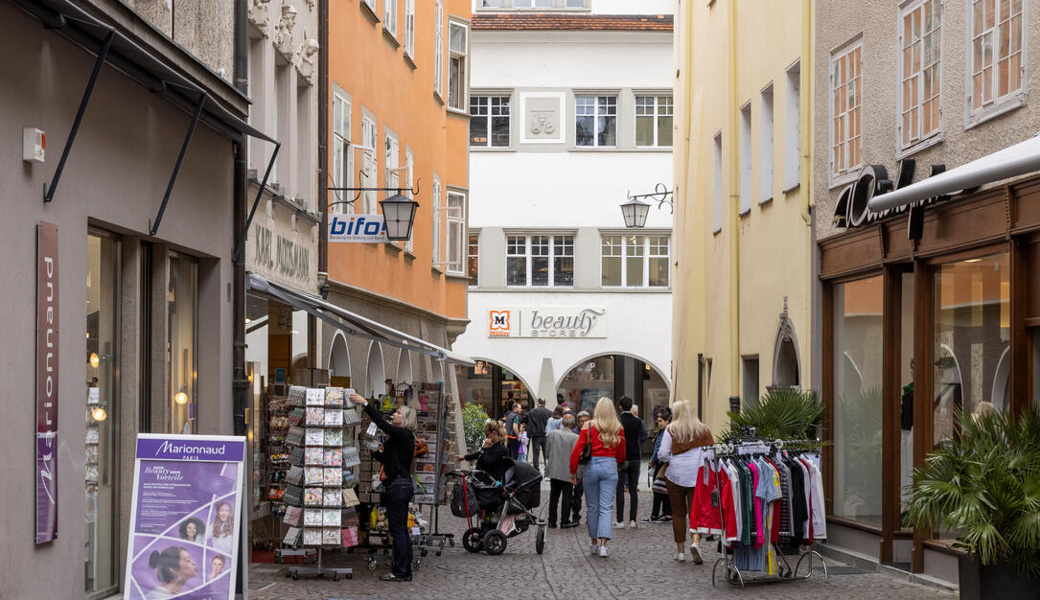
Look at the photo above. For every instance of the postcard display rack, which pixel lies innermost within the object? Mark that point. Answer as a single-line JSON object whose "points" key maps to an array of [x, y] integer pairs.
{"points": [[320, 501]]}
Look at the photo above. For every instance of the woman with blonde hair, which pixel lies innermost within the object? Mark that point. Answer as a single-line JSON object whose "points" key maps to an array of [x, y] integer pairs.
{"points": [[682, 447], [604, 437]]}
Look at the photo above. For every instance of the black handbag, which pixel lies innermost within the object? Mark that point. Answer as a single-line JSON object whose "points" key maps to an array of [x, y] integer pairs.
{"points": [[586, 452]]}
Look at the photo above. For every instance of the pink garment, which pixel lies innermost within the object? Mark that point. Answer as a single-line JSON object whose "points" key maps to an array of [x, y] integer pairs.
{"points": [[759, 534]]}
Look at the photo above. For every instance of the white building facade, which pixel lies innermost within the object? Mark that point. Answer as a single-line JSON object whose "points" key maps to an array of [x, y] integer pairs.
{"points": [[571, 110]]}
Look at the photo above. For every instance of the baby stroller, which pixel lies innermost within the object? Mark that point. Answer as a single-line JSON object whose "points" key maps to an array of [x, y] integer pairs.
{"points": [[477, 494]]}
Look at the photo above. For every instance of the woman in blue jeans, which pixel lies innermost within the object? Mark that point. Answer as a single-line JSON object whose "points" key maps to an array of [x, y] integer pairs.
{"points": [[600, 476]]}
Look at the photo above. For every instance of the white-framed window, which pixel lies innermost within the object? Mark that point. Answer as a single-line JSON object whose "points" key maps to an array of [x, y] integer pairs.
{"points": [[716, 150], [473, 258], [409, 28], [845, 109], [456, 222], [368, 163], [793, 131], [635, 260], [409, 166], [745, 159], [654, 121], [391, 160], [438, 259], [371, 4], [489, 121], [390, 16], [920, 72], [595, 121], [342, 153], [995, 55], [540, 260], [765, 146], [458, 48], [438, 48]]}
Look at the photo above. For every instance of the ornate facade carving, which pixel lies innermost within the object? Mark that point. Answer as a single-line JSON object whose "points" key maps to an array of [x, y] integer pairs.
{"points": [[284, 32], [259, 15], [308, 53]]}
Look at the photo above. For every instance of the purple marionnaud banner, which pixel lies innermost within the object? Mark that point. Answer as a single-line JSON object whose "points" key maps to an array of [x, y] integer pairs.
{"points": [[192, 449], [46, 383]]}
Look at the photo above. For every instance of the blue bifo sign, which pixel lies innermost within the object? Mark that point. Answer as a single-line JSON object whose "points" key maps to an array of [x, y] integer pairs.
{"points": [[357, 229]]}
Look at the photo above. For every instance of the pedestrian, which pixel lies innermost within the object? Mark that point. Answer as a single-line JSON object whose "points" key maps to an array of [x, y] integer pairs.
{"points": [[525, 444], [512, 423], [537, 421], [559, 445], [682, 447], [491, 456], [397, 455], [579, 488], [662, 509], [555, 420], [606, 441], [628, 475]]}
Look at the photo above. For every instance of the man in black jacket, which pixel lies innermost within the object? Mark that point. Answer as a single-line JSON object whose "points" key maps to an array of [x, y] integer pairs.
{"points": [[628, 472], [536, 420]]}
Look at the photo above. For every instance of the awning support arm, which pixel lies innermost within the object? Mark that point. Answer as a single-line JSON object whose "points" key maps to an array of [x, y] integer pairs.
{"points": [[236, 255], [101, 56], [180, 158]]}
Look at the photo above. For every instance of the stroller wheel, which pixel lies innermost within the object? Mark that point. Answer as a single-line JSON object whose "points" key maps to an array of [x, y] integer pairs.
{"points": [[539, 540], [473, 540], [495, 542]]}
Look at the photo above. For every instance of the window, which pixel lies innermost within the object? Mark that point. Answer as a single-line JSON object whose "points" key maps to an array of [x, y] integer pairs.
{"points": [[473, 259], [634, 261], [371, 4], [595, 121], [368, 163], [717, 191], [745, 159], [437, 259], [793, 132], [750, 380], [183, 331], [390, 16], [765, 146], [845, 110], [920, 36], [392, 175], [540, 260], [409, 28], [654, 121], [409, 165], [489, 121], [996, 35], [438, 48], [342, 153], [458, 46], [456, 232]]}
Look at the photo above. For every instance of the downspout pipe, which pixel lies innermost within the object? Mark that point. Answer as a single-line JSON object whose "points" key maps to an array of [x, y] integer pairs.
{"points": [[734, 195], [241, 48], [805, 93], [323, 146]]}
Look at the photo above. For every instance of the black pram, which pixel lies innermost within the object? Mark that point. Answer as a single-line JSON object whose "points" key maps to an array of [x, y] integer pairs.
{"points": [[477, 492]]}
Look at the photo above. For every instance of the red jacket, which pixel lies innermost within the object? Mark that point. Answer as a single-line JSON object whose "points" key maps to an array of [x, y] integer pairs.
{"points": [[598, 449]]}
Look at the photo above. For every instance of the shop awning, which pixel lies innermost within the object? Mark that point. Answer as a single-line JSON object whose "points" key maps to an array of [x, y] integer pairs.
{"points": [[352, 323], [1019, 159]]}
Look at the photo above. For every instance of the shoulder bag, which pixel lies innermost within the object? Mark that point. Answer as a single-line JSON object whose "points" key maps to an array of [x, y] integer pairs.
{"points": [[586, 452]]}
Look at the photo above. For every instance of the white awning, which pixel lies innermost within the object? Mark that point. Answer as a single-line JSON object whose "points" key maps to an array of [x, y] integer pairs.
{"points": [[1019, 159], [352, 323]]}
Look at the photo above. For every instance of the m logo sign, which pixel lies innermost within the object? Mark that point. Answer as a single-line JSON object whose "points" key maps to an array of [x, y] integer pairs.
{"points": [[498, 321]]}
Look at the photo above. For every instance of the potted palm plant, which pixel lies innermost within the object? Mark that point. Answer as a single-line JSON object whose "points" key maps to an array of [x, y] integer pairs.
{"points": [[781, 413], [985, 484]]}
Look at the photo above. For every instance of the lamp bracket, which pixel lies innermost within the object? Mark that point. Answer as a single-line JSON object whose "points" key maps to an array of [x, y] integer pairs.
{"points": [[361, 175], [659, 195]]}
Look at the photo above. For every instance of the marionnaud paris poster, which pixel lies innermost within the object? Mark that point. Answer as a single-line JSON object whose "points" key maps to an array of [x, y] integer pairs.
{"points": [[184, 521]]}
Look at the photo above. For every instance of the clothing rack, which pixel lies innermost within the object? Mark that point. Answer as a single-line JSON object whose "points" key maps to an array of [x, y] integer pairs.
{"points": [[748, 445]]}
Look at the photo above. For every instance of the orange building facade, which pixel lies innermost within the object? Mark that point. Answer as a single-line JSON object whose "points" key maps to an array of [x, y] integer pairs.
{"points": [[398, 81]]}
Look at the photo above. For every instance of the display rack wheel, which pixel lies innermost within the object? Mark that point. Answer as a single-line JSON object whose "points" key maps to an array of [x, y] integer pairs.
{"points": [[495, 542], [279, 560], [451, 542], [439, 552], [335, 577], [349, 575], [372, 565], [539, 540], [287, 574], [295, 576], [416, 564], [424, 553], [473, 540]]}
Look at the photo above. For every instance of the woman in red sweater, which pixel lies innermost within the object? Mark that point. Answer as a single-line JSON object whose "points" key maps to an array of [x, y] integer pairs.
{"points": [[600, 475]]}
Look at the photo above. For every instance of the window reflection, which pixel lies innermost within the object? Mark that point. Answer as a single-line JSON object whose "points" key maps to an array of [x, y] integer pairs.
{"points": [[183, 331]]}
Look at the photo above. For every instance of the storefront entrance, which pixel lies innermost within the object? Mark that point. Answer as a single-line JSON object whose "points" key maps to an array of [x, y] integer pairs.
{"points": [[493, 387], [613, 376]]}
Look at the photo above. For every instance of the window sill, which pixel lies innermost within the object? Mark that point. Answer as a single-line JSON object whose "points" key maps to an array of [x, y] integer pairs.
{"points": [[457, 277], [392, 248], [595, 148], [458, 112], [437, 96], [654, 148], [409, 61], [793, 187], [936, 139], [765, 201], [411, 256], [369, 12], [744, 213], [492, 149], [716, 232], [844, 178], [436, 271], [982, 115], [391, 38]]}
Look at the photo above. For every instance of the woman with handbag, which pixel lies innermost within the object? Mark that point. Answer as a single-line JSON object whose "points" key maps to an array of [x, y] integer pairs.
{"points": [[601, 448], [397, 455], [682, 448], [492, 455], [662, 510]]}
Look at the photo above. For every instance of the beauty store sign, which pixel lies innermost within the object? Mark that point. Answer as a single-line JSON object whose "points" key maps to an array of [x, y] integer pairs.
{"points": [[548, 322]]}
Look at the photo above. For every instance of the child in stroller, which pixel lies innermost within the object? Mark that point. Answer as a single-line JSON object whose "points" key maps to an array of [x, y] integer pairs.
{"points": [[495, 503]]}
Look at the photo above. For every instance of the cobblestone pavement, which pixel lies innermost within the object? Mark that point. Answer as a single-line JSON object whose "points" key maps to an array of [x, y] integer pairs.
{"points": [[640, 566]]}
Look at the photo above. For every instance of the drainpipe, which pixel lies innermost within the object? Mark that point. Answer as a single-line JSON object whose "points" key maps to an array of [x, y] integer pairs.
{"points": [[323, 148], [239, 381], [734, 193], [241, 65], [805, 91]]}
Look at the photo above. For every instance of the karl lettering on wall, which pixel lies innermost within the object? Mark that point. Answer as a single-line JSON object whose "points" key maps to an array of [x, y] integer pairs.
{"points": [[277, 254], [851, 209], [548, 322]]}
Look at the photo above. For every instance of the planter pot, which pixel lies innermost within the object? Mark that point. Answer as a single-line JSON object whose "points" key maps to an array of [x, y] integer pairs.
{"points": [[995, 581]]}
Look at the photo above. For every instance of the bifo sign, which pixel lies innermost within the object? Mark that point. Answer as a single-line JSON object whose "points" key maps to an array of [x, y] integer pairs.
{"points": [[554, 322], [47, 383]]}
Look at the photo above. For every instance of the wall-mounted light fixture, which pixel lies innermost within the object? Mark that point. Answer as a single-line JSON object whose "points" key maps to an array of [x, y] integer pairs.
{"points": [[95, 360], [398, 209], [635, 210], [98, 413]]}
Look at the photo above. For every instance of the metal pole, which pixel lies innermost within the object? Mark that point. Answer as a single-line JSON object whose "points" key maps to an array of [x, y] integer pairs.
{"points": [[259, 192], [180, 159]]}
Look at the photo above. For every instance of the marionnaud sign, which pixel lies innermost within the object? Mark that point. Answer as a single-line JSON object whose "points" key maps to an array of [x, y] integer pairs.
{"points": [[357, 229], [185, 517], [558, 322]]}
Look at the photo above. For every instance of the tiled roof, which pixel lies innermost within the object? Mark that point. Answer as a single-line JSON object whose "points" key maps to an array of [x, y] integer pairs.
{"points": [[532, 21]]}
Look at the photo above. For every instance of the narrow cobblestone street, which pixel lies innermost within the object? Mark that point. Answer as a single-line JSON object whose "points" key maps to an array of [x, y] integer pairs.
{"points": [[640, 566]]}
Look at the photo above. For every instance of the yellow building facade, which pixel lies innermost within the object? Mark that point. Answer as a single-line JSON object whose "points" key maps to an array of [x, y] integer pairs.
{"points": [[742, 297]]}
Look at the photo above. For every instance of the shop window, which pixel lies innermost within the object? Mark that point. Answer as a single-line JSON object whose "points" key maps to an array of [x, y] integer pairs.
{"points": [[102, 413], [857, 404], [183, 301], [906, 392]]}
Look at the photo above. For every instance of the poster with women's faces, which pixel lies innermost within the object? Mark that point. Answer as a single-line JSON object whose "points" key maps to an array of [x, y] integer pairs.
{"points": [[185, 517]]}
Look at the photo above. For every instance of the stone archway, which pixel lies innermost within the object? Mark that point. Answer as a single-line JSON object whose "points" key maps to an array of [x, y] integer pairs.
{"points": [[339, 356], [786, 362]]}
